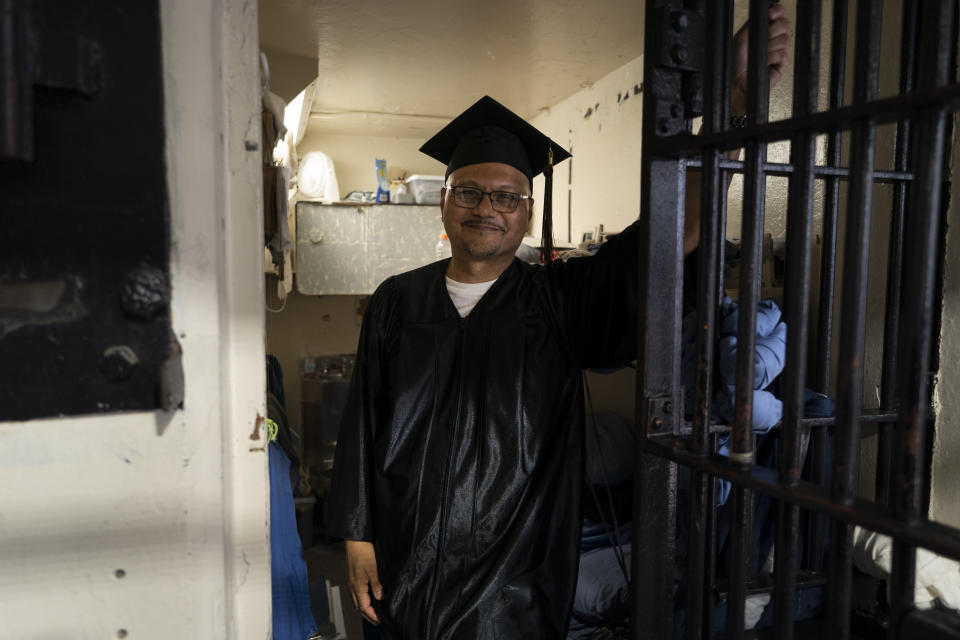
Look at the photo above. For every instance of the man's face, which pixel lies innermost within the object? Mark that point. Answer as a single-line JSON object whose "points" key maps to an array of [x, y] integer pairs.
{"points": [[481, 233]]}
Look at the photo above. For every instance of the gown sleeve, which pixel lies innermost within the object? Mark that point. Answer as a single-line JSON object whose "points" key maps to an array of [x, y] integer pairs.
{"points": [[595, 301], [350, 507]]}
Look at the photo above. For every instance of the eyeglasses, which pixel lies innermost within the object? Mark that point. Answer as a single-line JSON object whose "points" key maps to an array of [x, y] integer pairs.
{"points": [[501, 201]]}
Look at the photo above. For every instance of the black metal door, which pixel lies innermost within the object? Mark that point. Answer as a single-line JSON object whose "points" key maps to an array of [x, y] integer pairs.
{"points": [[84, 214], [687, 67]]}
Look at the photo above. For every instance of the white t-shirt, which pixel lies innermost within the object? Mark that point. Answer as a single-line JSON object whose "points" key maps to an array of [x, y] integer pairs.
{"points": [[466, 295]]}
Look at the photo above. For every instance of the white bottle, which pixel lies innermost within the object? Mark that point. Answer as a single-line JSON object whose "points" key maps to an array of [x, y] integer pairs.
{"points": [[443, 247]]}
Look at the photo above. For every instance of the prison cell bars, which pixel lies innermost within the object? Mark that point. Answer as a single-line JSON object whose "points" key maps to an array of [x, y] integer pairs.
{"points": [[907, 336], [891, 323], [914, 342], [796, 309], [846, 466], [659, 264], [741, 443], [828, 260], [701, 554]]}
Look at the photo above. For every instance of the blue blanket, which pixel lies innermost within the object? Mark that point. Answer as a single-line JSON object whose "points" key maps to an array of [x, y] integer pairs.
{"points": [[292, 618]]}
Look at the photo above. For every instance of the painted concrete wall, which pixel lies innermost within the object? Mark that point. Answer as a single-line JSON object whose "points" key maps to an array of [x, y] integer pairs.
{"points": [[310, 326], [354, 157], [945, 480], [601, 126], [155, 525], [289, 74]]}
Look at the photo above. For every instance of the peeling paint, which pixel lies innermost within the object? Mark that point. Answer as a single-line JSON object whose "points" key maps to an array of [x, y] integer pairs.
{"points": [[255, 434], [606, 164]]}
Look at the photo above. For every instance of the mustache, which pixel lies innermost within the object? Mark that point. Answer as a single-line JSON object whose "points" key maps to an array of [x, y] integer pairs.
{"points": [[482, 223]]}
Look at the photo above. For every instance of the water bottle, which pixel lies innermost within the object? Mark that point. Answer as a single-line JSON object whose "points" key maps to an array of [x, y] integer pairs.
{"points": [[443, 247]]}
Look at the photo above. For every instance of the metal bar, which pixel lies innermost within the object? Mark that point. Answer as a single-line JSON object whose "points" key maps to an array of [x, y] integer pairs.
{"points": [[741, 439], [838, 65], [741, 436], [655, 481], [917, 303], [796, 308], [710, 568], [846, 459], [881, 111], [891, 322], [867, 416], [660, 254], [782, 169], [655, 478], [930, 535], [724, 175], [766, 584], [828, 259], [739, 553], [697, 583], [712, 190]]}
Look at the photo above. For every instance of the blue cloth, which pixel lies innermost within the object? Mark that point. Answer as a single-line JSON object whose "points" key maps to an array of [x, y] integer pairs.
{"points": [[602, 596], [769, 358], [770, 352], [292, 618], [769, 361]]}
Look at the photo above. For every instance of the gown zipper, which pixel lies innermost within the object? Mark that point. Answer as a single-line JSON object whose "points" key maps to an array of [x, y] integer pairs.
{"points": [[444, 498]]}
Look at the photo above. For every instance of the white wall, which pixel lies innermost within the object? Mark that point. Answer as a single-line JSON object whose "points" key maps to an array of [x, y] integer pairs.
{"points": [[601, 126], [354, 158], [945, 480], [289, 74], [177, 501]]}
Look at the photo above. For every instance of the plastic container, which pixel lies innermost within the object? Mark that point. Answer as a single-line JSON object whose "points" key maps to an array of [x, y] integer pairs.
{"points": [[399, 192], [425, 189], [383, 184], [443, 247]]}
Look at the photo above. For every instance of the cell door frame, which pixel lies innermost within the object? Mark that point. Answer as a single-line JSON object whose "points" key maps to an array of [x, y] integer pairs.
{"points": [[687, 71]]}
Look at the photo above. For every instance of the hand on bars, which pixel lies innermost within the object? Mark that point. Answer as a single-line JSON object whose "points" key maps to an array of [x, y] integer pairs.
{"points": [[778, 53]]}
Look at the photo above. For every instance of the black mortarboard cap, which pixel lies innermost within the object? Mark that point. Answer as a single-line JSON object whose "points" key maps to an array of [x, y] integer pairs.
{"points": [[489, 132]]}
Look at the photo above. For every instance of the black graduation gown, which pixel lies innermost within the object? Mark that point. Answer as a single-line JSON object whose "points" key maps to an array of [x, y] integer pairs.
{"points": [[460, 453]]}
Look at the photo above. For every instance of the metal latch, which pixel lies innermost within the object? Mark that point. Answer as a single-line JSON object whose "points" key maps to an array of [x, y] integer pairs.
{"points": [[680, 43], [661, 415]]}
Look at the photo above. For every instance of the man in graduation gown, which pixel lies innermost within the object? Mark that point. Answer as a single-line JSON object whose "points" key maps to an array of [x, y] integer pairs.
{"points": [[459, 462], [461, 453]]}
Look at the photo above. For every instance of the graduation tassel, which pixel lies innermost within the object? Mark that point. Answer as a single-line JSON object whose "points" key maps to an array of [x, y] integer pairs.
{"points": [[547, 240]]}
